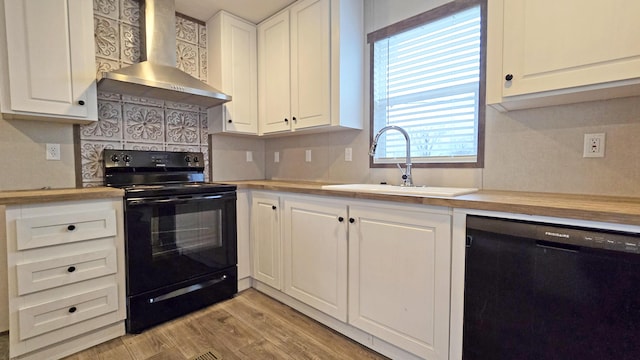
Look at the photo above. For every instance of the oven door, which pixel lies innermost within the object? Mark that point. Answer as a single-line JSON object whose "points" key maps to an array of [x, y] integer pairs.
{"points": [[173, 239]]}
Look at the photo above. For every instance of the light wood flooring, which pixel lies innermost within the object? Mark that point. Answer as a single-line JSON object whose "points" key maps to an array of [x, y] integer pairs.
{"points": [[249, 326]]}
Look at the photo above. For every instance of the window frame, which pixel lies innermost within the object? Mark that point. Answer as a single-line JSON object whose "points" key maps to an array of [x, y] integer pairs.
{"points": [[416, 21]]}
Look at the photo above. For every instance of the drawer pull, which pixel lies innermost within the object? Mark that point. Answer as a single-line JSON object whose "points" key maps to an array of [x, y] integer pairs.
{"points": [[71, 269], [72, 309], [71, 227]]}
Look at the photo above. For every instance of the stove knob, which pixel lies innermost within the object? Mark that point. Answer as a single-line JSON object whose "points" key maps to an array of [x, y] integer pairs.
{"points": [[115, 158], [126, 158], [195, 159], [187, 158]]}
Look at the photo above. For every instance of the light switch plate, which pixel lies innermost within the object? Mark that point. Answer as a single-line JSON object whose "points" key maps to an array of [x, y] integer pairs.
{"points": [[307, 155]]}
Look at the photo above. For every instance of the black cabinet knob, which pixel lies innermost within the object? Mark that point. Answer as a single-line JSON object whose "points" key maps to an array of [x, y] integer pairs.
{"points": [[509, 77], [71, 269], [72, 309], [273, 207], [286, 120], [294, 119], [71, 227], [229, 121], [81, 102], [352, 220], [340, 219]]}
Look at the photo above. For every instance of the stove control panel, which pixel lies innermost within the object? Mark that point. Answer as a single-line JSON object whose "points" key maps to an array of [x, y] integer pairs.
{"points": [[152, 159]]}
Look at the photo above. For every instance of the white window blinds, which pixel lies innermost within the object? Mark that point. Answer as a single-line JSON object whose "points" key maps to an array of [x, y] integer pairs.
{"points": [[426, 80]]}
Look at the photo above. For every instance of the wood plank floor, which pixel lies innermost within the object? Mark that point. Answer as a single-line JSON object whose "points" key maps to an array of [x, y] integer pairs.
{"points": [[249, 326]]}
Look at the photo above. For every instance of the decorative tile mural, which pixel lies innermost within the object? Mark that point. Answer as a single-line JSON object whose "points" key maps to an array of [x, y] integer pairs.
{"points": [[127, 122]]}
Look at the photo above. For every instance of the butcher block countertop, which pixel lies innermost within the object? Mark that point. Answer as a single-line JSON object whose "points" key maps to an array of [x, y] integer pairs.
{"points": [[612, 209], [19, 197]]}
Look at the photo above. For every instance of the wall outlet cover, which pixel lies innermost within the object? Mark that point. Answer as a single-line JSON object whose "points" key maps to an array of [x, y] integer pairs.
{"points": [[52, 152], [593, 145]]}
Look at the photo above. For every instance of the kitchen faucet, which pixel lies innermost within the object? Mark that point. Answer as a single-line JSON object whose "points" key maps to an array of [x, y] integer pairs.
{"points": [[406, 175]]}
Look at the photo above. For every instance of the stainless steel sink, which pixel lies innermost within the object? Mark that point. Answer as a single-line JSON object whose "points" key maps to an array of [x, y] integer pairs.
{"points": [[401, 190]]}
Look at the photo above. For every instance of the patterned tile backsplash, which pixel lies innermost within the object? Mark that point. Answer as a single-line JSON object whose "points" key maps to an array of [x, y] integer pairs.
{"points": [[126, 122]]}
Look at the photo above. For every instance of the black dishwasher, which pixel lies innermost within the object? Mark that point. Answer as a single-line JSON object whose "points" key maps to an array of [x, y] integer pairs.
{"points": [[544, 291]]}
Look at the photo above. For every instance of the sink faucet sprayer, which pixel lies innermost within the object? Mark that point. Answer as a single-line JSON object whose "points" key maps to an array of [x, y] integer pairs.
{"points": [[406, 174]]}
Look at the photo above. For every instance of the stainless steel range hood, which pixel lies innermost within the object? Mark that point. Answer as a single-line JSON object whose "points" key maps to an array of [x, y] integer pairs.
{"points": [[157, 75]]}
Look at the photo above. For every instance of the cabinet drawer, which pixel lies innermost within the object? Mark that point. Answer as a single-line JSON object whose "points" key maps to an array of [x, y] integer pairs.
{"points": [[56, 314], [41, 275], [64, 228]]}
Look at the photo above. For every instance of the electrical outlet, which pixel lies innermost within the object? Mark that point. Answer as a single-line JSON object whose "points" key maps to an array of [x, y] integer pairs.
{"points": [[594, 145], [249, 156], [348, 154], [307, 155], [53, 152], [276, 157]]}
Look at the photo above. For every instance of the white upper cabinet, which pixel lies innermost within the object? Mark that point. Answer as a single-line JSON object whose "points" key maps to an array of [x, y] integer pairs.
{"points": [[274, 101], [545, 52], [310, 71], [233, 69], [310, 64], [48, 60]]}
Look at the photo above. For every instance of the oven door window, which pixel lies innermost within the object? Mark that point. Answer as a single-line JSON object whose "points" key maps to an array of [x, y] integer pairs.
{"points": [[177, 231], [173, 241]]}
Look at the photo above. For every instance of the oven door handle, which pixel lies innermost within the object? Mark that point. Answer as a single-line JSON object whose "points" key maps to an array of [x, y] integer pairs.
{"points": [[186, 290], [172, 200]]}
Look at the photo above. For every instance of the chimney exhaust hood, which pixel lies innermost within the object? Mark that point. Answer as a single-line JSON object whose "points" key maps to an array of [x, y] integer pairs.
{"points": [[157, 75]]}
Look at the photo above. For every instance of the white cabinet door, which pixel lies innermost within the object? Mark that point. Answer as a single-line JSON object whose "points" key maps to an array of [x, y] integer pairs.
{"points": [[265, 239], [274, 74], [311, 59], [315, 253], [544, 46], [399, 268], [50, 60], [233, 69], [310, 64]]}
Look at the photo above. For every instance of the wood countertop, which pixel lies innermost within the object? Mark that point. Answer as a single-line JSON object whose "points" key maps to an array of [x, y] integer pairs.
{"points": [[19, 197], [612, 209]]}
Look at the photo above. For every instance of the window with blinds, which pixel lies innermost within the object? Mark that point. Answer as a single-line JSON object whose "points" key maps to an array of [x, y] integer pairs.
{"points": [[427, 80]]}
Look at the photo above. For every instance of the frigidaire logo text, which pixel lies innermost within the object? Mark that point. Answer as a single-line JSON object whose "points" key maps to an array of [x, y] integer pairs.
{"points": [[556, 234]]}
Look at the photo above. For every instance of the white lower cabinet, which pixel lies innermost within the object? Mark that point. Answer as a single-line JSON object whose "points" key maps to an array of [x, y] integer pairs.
{"points": [[399, 268], [379, 270], [65, 276], [266, 244], [315, 254]]}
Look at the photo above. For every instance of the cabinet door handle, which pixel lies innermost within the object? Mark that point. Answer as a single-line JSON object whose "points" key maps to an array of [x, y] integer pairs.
{"points": [[509, 77], [71, 227], [72, 309], [340, 219], [352, 220], [71, 269], [81, 102], [286, 120], [229, 121], [273, 207], [294, 119]]}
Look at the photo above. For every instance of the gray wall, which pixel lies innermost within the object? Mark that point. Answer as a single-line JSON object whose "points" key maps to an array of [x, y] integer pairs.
{"points": [[532, 150]]}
